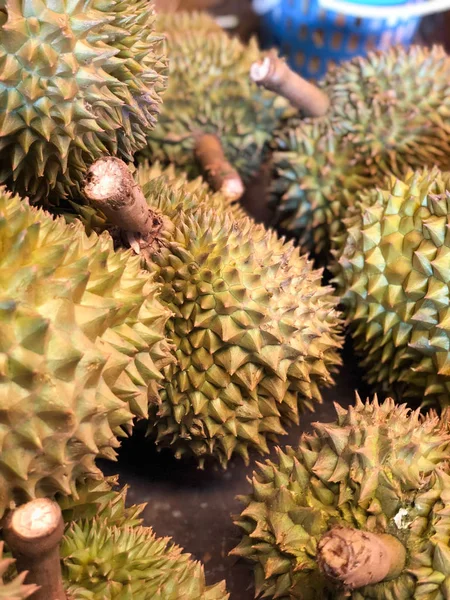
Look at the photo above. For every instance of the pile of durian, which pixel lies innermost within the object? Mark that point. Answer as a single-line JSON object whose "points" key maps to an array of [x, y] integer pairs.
{"points": [[134, 287]]}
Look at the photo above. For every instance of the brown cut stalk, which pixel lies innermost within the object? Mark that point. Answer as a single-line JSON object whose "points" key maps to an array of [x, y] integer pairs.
{"points": [[33, 533], [353, 558], [219, 172], [109, 185], [275, 75]]}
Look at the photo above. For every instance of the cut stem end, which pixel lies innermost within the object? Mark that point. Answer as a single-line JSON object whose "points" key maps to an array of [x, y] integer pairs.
{"points": [[219, 172], [353, 558], [33, 532], [275, 75]]}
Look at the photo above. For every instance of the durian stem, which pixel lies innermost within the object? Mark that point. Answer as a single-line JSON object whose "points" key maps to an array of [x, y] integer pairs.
{"points": [[353, 558], [221, 175], [110, 186], [275, 75], [33, 533]]}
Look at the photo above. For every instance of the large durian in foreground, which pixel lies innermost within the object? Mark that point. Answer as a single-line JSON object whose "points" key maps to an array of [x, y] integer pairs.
{"points": [[360, 509], [388, 111], [255, 334], [77, 80], [112, 556], [210, 93], [393, 279], [81, 350]]}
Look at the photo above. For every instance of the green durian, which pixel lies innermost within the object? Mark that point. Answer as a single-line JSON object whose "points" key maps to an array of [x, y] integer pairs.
{"points": [[111, 556], [378, 469], [77, 81], [393, 276], [255, 334], [389, 111], [106, 553], [210, 92], [317, 174], [82, 346], [14, 589], [99, 498]]}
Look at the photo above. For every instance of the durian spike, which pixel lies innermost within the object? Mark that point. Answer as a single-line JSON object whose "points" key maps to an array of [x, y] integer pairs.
{"points": [[219, 172], [275, 75], [109, 185], [353, 558], [33, 532]]}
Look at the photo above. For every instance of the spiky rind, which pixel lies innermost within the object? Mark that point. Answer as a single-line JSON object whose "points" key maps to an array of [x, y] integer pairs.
{"points": [[113, 558], [316, 175], [81, 350], [393, 278], [77, 81], [394, 101], [389, 111], [210, 92], [255, 333], [380, 468]]}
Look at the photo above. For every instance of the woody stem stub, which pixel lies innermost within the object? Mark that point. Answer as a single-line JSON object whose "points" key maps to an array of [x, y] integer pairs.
{"points": [[275, 75], [219, 172], [110, 186], [33, 533], [353, 558]]}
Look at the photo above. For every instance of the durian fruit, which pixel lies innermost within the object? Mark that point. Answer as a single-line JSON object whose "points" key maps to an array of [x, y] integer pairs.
{"points": [[317, 175], [77, 80], [15, 589], [394, 104], [210, 93], [82, 346], [255, 334], [393, 279], [111, 556], [359, 510], [388, 111]]}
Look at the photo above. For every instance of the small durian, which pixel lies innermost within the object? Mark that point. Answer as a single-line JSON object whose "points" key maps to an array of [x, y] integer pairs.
{"points": [[317, 174], [14, 588], [211, 105], [77, 80], [82, 346], [360, 509], [254, 332], [394, 104], [393, 278], [389, 111], [113, 559]]}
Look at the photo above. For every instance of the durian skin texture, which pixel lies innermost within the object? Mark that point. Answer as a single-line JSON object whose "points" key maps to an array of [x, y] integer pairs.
{"points": [[81, 350], [210, 92], [77, 81], [379, 468], [389, 111], [393, 278], [111, 556], [255, 333]]}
